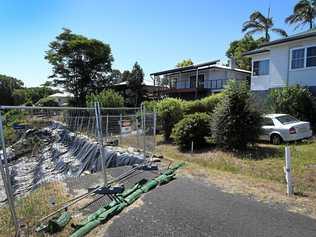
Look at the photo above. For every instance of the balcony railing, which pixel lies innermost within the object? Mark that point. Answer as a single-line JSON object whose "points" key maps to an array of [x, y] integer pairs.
{"points": [[206, 84]]}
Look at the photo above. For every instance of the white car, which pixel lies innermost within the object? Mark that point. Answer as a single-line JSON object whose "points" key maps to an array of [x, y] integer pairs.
{"points": [[277, 128]]}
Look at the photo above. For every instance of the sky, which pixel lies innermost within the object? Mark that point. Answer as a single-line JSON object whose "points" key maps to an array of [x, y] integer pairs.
{"points": [[155, 33]]}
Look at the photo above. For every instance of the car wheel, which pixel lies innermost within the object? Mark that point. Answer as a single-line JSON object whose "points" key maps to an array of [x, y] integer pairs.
{"points": [[276, 139]]}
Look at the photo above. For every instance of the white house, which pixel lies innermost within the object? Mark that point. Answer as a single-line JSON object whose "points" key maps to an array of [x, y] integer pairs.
{"points": [[62, 98], [198, 80], [285, 62]]}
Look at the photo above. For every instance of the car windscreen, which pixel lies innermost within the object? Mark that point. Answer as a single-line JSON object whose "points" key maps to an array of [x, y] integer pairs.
{"points": [[287, 119]]}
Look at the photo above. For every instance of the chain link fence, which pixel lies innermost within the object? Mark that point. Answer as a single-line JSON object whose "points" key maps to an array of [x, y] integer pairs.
{"points": [[40, 146]]}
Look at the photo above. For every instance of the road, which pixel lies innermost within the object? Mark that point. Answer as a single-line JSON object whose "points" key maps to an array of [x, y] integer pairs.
{"points": [[190, 207]]}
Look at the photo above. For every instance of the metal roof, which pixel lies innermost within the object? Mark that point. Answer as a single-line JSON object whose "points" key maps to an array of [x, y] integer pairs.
{"points": [[183, 69], [263, 47]]}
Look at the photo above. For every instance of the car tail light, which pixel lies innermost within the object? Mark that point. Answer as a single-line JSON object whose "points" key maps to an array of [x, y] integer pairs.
{"points": [[292, 130]]}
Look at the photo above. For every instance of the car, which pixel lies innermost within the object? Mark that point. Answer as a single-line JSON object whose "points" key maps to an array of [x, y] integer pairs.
{"points": [[278, 128]]}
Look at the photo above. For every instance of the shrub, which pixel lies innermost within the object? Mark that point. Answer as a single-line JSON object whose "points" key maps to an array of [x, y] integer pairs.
{"points": [[107, 98], [210, 102], [151, 105], [296, 101], [169, 112], [235, 123], [205, 105], [49, 102], [193, 127]]}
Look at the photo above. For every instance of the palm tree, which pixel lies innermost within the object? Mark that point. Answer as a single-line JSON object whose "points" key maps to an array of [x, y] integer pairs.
{"points": [[259, 23], [304, 12]]}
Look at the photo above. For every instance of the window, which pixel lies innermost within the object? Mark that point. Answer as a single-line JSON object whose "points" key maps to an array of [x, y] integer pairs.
{"points": [[200, 81], [298, 57], [287, 119], [261, 68], [311, 57], [267, 122]]}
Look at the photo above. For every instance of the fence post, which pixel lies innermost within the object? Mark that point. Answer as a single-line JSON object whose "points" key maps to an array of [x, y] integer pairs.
{"points": [[144, 128], [6, 178], [121, 120], [287, 170], [98, 119], [155, 127]]}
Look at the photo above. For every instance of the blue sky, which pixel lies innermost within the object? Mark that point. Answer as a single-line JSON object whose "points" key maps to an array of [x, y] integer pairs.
{"points": [[156, 33]]}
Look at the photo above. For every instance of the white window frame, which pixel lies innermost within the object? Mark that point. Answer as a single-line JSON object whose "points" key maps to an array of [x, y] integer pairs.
{"points": [[305, 58], [258, 60]]}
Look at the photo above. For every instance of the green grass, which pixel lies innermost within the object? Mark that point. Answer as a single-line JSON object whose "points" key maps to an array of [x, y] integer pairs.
{"points": [[32, 207], [264, 161]]}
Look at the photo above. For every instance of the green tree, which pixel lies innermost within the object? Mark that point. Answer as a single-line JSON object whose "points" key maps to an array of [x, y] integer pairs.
{"points": [[170, 112], [80, 65], [20, 96], [115, 76], [294, 100], [7, 86], [235, 121], [107, 98], [184, 63], [304, 12], [135, 85], [258, 23], [238, 47]]}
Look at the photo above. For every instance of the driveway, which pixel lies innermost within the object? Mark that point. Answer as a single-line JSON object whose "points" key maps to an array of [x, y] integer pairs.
{"points": [[189, 207]]}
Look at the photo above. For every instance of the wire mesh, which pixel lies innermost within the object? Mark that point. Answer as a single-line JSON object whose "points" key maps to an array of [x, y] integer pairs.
{"points": [[30, 143]]}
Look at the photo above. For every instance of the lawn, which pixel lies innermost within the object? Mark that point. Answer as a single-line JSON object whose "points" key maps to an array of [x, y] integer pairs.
{"points": [[32, 207], [264, 161]]}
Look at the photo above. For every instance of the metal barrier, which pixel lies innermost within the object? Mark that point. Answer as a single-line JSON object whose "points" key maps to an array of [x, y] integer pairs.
{"points": [[28, 144]]}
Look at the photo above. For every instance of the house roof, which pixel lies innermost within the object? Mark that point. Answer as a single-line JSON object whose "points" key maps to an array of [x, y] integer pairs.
{"points": [[62, 95], [263, 47], [202, 66], [183, 69]]}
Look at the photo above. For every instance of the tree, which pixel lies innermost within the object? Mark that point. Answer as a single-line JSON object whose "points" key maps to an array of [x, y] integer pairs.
{"points": [[125, 75], [20, 96], [107, 98], [115, 76], [235, 121], [135, 85], [184, 63], [238, 47], [304, 12], [258, 23], [80, 65], [7, 86], [294, 100]]}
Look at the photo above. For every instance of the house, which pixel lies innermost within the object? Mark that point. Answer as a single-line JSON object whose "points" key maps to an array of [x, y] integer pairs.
{"points": [[149, 90], [198, 80], [284, 62], [62, 98]]}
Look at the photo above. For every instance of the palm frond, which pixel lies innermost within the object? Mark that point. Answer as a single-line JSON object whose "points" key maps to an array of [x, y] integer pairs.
{"points": [[280, 32]]}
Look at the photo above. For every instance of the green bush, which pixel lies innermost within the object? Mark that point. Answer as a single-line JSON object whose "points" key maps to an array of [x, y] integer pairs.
{"points": [[235, 122], [210, 102], [170, 112], [107, 98], [151, 105], [48, 102], [205, 105], [296, 101], [194, 127]]}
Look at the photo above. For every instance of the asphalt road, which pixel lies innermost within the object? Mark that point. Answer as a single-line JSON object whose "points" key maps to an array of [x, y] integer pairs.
{"points": [[187, 207]]}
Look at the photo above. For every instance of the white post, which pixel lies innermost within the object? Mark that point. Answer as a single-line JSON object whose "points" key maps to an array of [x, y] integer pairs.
{"points": [[100, 139], [287, 170], [192, 147]]}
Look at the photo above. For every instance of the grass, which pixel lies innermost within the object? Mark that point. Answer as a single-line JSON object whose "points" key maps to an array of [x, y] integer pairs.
{"points": [[264, 161], [33, 207]]}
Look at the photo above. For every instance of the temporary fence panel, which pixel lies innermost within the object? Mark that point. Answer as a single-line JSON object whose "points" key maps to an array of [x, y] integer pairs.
{"points": [[45, 144]]}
